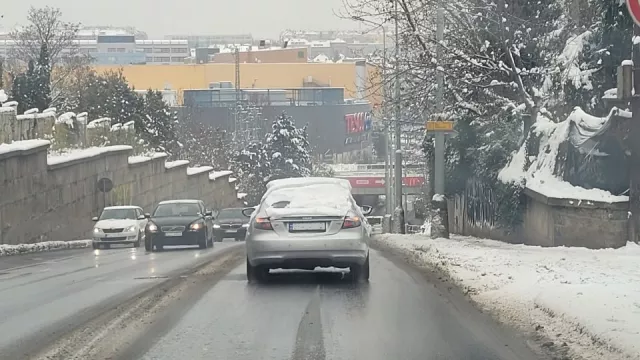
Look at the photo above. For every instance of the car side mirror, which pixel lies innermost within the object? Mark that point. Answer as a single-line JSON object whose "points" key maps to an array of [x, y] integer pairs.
{"points": [[95, 218], [142, 217], [147, 216], [208, 213], [248, 211], [366, 209]]}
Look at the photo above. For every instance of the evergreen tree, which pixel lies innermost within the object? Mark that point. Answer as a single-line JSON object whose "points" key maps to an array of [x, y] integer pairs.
{"points": [[289, 149], [1, 72], [42, 80], [159, 123], [253, 167]]}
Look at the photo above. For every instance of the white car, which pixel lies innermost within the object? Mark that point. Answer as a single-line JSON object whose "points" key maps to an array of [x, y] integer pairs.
{"points": [[119, 225]]}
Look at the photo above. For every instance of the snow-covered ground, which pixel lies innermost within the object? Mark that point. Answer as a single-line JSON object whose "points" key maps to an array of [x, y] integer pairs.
{"points": [[7, 250], [586, 299]]}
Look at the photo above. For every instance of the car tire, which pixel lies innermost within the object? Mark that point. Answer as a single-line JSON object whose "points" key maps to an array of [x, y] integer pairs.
{"points": [[158, 248], [136, 244], [360, 272], [95, 245], [256, 274], [217, 239], [147, 244], [106, 246], [203, 242]]}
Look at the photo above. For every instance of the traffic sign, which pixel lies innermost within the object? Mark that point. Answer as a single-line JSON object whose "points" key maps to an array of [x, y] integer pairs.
{"points": [[634, 10], [378, 182], [444, 126]]}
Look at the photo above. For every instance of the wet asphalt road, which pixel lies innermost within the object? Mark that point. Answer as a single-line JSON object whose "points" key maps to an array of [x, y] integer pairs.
{"points": [[301, 316]]}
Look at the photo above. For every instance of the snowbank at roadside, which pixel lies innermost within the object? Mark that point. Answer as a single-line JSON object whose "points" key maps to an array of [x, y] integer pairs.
{"points": [[7, 250], [586, 301]]}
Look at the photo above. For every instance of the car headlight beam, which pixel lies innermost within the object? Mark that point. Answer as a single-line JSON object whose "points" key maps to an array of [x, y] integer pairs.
{"points": [[131, 228], [216, 226]]}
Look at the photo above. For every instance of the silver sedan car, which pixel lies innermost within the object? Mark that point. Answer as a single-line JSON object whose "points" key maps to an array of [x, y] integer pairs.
{"points": [[307, 226]]}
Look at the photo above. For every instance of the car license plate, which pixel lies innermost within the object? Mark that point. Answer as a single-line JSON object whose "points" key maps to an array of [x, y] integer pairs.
{"points": [[307, 226], [173, 234], [232, 231], [112, 235]]}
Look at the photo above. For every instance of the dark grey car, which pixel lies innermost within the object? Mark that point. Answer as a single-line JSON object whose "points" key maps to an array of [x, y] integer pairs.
{"points": [[230, 223], [179, 222]]}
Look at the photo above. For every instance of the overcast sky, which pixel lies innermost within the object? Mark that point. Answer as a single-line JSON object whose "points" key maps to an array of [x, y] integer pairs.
{"points": [[162, 17]]}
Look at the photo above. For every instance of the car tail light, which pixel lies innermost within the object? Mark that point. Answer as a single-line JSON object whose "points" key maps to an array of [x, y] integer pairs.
{"points": [[263, 224], [351, 222]]}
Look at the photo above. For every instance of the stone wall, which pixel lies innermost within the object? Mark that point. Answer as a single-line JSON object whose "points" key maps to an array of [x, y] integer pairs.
{"points": [[546, 221], [54, 198], [23, 127]]}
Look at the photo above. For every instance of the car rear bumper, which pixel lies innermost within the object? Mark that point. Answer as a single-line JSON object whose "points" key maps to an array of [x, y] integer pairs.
{"points": [[307, 253], [187, 238]]}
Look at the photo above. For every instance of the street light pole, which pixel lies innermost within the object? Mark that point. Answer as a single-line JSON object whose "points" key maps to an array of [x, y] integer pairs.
{"points": [[398, 211]]}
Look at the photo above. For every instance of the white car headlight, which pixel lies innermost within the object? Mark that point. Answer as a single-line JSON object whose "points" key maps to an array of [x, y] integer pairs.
{"points": [[152, 227], [245, 225], [131, 228], [97, 230], [216, 226]]}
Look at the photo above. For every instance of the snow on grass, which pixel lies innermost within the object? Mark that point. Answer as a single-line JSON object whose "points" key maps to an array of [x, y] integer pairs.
{"points": [[198, 170], [540, 175], [144, 158], [22, 145], [176, 163], [8, 250], [588, 299], [56, 158], [218, 174]]}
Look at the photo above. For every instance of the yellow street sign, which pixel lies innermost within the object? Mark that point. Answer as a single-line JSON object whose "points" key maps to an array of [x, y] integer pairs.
{"points": [[439, 126]]}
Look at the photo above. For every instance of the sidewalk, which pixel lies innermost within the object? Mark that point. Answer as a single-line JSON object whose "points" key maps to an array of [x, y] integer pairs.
{"points": [[587, 301], [8, 250]]}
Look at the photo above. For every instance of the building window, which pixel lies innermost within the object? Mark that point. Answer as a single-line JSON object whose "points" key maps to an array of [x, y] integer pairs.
{"points": [[165, 50], [177, 59], [162, 59], [111, 50], [92, 50], [121, 50], [148, 50], [179, 50]]}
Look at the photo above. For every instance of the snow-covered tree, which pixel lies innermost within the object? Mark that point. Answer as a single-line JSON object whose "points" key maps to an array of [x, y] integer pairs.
{"points": [[253, 167], [205, 145], [288, 148], [159, 123]]}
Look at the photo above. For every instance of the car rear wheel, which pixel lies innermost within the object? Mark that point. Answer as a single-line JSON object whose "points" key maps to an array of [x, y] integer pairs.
{"points": [[95, 245], [147, 244], [157, 248], [256, 273], [136, 244], [360, 272]]}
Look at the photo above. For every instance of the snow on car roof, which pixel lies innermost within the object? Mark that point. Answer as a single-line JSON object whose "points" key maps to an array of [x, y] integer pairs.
{"points": [[312, 196], [184, 201], [123, 207], [308, 181]]}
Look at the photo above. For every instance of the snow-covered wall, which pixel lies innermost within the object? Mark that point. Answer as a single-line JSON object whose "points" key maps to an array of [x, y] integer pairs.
{"points": [[53, 197], [23, 127]]}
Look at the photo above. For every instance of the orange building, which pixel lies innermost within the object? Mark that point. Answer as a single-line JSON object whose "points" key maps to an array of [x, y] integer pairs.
{"points": [[252, 75], [293, 55]]}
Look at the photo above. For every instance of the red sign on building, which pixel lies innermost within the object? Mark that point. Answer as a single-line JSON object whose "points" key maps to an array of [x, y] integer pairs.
{"points": [[378, 182]]}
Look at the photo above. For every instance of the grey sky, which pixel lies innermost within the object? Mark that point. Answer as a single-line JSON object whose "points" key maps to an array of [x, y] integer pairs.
{"points": [[159, 17]]}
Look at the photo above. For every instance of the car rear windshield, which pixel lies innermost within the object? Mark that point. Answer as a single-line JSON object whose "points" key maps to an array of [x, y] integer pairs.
{"points": [[230, 214], [117, 214], [177, 209], [310, 196]]}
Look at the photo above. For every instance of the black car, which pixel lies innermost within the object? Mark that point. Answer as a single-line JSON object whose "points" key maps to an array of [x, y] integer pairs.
{"points": [[230, 223], [179, 222]]}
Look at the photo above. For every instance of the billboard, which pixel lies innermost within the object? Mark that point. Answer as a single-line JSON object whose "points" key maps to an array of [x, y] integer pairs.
{"points": [[358, 126]]}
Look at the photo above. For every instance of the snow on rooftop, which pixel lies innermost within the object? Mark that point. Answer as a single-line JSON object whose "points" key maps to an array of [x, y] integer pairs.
{"points": [[77, 154], [3, 96], [22, 145], [66, 118], [232, 179], [144, 158], [540, 176], [218, 174], [101, 122], [198, 170], [585, 299], [176, 163]]}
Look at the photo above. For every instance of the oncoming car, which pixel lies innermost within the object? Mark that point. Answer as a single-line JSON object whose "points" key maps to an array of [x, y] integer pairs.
{"points": [[230, 223], [179, 222], [308, 226], [119, 225]]}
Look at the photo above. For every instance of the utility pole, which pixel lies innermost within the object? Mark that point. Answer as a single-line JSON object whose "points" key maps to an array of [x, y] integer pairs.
{"points": [[634, 164], [386, 117], [237, 129], [439, 175], [399, 211]]}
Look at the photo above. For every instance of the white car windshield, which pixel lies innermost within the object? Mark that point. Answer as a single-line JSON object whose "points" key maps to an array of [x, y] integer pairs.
{"points": [[118, 214]]}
